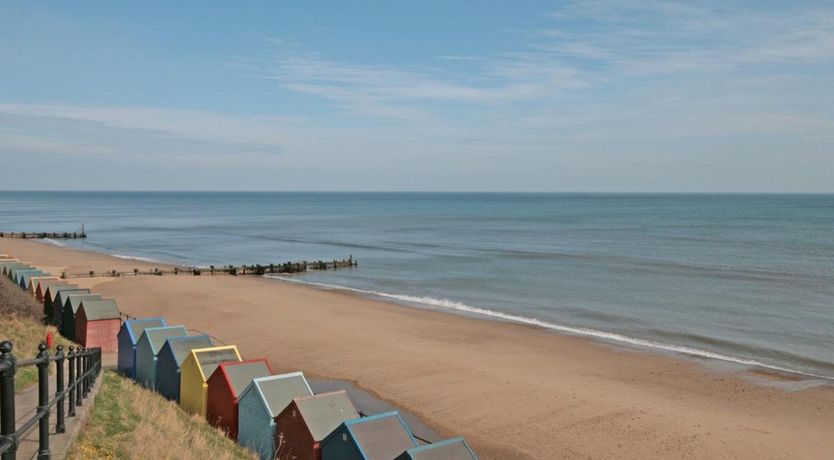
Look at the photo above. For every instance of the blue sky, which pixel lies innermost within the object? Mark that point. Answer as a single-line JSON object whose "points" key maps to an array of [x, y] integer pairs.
{"points": [[418, 95]]}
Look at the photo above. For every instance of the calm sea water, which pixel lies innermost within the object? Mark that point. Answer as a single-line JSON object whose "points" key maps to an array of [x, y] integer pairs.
{"points": [[744, 278]]}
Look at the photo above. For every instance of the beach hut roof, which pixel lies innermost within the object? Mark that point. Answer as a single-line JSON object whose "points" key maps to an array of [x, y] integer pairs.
{"points": [[277, 391], [18, 273], [135, 327], [209, 358], [379, 435], [74, 300], [12, 265], [53, 289], [29, 275], [46, 282], [239, 374], [448, 449], [324, 412], [181, 346], [156, 336], [9, 266], [35, 280], [100, 309], [62, 295], [19, 269]]}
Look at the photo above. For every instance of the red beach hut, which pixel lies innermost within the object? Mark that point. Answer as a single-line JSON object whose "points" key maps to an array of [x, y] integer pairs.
{"points": [[97, 324], [225, 385]]}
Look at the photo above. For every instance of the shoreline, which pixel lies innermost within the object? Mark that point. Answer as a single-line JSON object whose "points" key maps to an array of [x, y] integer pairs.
{"points": [[596, 335], [554, 392], [750, 365]]}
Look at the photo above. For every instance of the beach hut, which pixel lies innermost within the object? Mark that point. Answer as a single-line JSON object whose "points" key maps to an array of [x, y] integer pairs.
{"points": [[128, 335], [26, 276], [9, 266], [35, 280], [170, 359], [147, 349], [70, 309], [224, 387], [307, 421], [194, 374], [43, 286], [448, 449], [258, 406], [49, 298], [58, 304], [17, 274], [379, 436], [97, 323]]}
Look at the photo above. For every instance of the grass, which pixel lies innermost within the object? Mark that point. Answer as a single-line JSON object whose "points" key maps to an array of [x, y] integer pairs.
{"points": [[21, 323], [131, 422]]}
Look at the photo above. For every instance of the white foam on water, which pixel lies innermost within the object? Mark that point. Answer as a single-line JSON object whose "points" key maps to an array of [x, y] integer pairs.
{"points": [[612, 336], [143, 259], [54, 242]]}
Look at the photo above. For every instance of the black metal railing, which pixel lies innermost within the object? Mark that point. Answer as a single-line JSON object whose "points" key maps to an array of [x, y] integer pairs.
{"points": [[83, 366]]}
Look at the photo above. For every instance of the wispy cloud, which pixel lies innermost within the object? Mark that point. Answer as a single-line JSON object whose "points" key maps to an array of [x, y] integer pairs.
{"points": [[599, 92]]}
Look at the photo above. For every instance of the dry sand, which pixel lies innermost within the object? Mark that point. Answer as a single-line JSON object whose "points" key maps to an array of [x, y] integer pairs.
{"points": [[513, 391]]}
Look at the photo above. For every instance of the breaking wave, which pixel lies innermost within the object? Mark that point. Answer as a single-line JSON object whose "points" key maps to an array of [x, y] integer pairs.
{"points": [[588, 332]]}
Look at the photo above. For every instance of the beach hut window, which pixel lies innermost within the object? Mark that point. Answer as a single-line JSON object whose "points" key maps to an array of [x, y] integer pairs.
{"points": [[344, 437], [293, 413]]}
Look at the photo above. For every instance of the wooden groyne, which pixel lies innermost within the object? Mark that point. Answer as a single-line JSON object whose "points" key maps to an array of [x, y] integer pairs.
{"points": [[42, 235], [212, 270]]}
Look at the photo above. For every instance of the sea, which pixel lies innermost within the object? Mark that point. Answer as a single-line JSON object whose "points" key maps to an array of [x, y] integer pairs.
{"points": [[744, 279]]}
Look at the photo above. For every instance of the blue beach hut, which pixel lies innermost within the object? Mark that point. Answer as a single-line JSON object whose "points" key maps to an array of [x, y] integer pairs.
{"points": [[170, 359], [128, 337], [384, 435], [147, 349], [17, 274], [448, 449], [260, 403]]}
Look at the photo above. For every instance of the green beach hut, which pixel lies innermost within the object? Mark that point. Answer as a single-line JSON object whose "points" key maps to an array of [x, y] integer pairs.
{"points": [[58, 305], [71, 306]]}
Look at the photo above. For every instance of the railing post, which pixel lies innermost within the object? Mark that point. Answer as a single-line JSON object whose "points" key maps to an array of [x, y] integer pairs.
{"points": [[79, 357], [60, 427], [88, 361], [71, 383], [7, 409], [43, 402], [85, 366]]}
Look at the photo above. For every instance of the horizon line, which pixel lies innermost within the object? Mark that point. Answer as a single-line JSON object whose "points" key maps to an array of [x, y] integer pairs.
{"points": [[461, 192]]}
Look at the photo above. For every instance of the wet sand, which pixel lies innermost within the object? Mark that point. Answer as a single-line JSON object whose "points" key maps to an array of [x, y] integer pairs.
{"points": [[514, 391]]}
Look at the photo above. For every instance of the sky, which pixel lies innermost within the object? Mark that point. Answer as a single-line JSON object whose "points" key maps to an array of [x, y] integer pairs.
{"points": [[574, 96]]}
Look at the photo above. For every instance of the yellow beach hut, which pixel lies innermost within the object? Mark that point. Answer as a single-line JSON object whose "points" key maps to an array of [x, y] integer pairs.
{"points": [[194, 374]]}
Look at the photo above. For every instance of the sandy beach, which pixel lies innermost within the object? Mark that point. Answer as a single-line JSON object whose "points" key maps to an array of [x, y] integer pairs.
{"points": [[514, 391]]}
